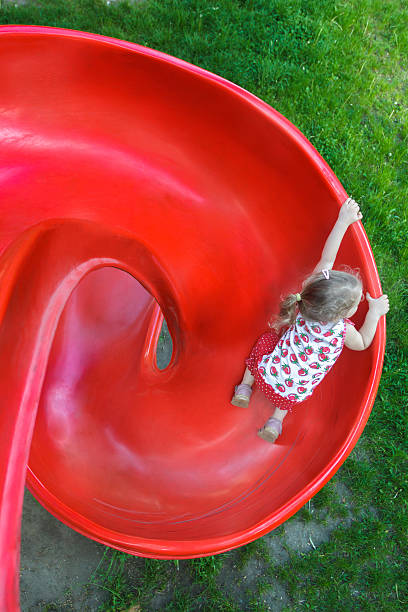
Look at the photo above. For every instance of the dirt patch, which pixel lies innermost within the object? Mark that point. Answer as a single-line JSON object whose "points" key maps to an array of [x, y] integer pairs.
{"points": [[57, 564]]}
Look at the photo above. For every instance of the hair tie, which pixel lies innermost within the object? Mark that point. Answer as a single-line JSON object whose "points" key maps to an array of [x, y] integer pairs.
{"points": [[326, 274], [298, 297]]}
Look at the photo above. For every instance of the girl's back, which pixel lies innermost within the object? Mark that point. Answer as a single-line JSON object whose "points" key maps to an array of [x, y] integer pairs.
{"points": [[302, 357]]}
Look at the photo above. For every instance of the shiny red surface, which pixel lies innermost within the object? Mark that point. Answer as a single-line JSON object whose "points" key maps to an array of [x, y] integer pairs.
{"points": [[130, 179]]}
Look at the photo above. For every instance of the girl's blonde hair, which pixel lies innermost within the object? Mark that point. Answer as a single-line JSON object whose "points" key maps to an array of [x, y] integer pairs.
{"points": [[323, 298]]}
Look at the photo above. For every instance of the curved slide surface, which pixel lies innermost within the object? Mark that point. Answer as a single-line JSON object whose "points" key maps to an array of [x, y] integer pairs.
{"points": [[135, 186]]}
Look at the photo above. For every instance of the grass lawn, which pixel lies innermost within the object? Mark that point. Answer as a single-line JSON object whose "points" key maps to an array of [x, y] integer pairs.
{"points": [[339, 72]]}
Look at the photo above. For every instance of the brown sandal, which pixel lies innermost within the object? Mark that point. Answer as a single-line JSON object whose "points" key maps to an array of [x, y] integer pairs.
{"points": [[242, 395], [271, 430]]}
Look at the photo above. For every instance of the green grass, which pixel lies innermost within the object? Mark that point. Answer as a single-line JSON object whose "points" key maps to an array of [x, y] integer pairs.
{"points": [[338, 71], [109, 576], [355, 570]]}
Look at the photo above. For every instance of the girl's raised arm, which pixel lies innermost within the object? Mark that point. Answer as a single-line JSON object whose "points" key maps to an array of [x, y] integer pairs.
{"points": [[349, 213]]}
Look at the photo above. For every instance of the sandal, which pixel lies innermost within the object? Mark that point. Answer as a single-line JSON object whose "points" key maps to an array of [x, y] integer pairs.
{"points": [[271, 430], [242, 395]]}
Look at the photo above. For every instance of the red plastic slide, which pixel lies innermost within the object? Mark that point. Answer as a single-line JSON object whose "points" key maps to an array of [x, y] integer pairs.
{"points": [[135, 186]]}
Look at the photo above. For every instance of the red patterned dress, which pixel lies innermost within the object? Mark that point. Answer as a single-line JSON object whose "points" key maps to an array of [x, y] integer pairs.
{"points": [[288, 368]]}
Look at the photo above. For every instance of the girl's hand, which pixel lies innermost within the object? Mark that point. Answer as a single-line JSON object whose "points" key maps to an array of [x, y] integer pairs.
{"points": [[350, 212], [378, 306]]}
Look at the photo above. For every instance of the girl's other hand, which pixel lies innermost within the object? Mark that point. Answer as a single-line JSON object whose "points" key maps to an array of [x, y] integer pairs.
{"points": [[378, 306], [350, 212]]}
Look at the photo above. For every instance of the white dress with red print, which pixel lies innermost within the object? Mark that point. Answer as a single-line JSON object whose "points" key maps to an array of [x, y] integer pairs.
{"points": [[302, 357]]}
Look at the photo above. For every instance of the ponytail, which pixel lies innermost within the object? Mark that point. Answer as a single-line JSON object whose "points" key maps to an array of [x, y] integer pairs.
{"points": [[287, 312]]}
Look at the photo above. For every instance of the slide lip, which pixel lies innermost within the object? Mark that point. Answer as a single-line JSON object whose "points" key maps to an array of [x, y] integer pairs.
{"points": [[197, 548], [284, 123]]}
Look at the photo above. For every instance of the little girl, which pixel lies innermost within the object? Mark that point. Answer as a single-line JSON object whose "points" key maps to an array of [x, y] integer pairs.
{"points": [[288, 366]]}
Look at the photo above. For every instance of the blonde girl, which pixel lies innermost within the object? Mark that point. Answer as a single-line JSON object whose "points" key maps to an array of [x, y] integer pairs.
{"points": [[306, 339]]}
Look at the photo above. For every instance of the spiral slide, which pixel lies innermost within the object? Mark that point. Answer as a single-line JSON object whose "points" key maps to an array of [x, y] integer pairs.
{"points": [[134, 188]]}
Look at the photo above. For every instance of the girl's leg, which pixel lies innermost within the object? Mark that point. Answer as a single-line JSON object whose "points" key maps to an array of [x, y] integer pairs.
{"points": [[243, 391], [273, 426], [247, 379], [279, 414]]}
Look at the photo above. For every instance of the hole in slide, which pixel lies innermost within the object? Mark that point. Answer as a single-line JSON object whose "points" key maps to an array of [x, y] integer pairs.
{"points": [[111, 316]]}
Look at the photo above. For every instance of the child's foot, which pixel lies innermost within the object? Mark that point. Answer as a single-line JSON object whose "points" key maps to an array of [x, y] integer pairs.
{"points": [[242, 395], [271, 430]]}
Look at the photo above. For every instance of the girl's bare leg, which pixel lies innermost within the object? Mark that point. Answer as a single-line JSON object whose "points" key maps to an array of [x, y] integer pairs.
{"points": [[279, 414], [247, 379]]}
